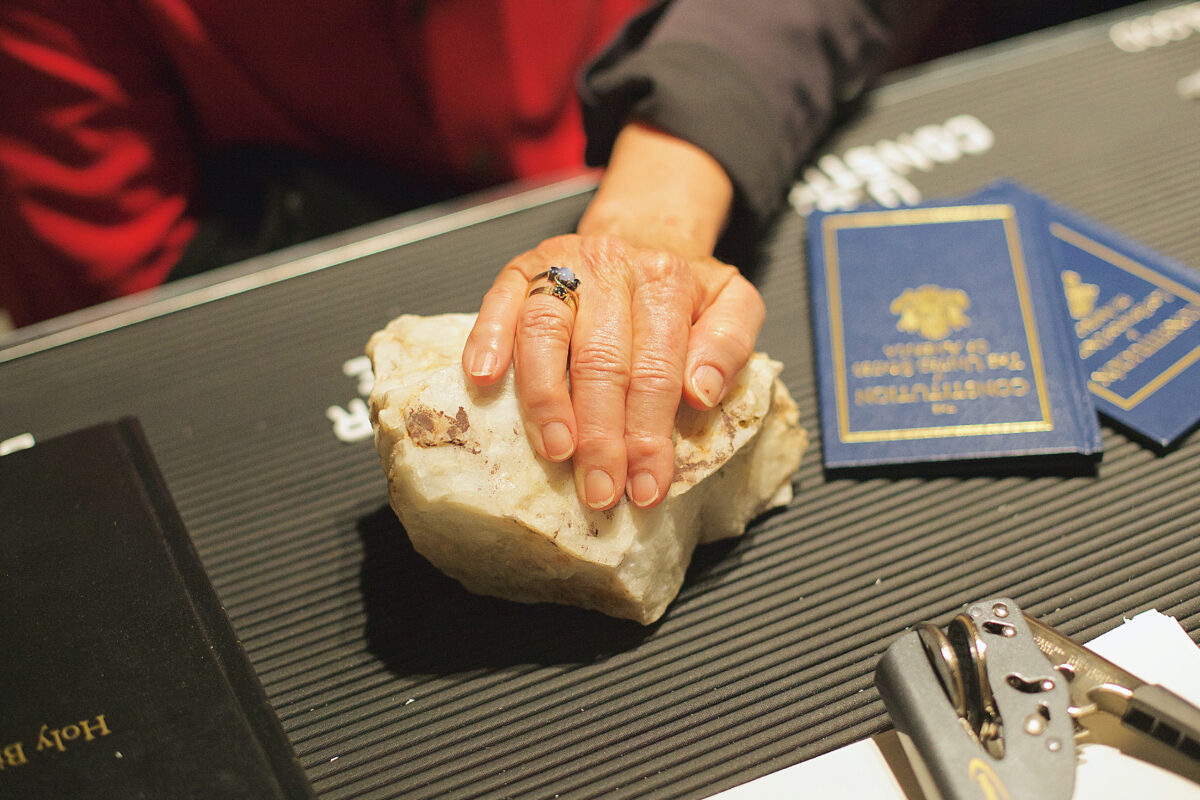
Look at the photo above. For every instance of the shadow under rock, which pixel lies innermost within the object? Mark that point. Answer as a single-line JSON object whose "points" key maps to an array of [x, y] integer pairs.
{"points": [[421, 621]]}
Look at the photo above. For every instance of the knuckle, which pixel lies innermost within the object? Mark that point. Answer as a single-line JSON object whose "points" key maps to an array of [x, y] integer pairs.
{"points": [[602, 249], [543, 320], [719, 276], [757, 306], [662, 268], [746, 291], [656, 375], [500, 295], [645, 446], [559, 243], [595, 444], [598, 446], [539, 400], [730, 338], [599, 359]]}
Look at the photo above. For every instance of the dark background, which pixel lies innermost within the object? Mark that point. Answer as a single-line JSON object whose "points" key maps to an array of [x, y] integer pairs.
{"points": [[928, 29]]}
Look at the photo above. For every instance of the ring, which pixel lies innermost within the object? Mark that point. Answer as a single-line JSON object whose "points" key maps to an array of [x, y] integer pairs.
{"points": [[562, 284]]}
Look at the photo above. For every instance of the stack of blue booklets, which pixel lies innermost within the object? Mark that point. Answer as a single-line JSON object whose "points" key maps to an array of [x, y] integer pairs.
{"points": [[992, 329]]}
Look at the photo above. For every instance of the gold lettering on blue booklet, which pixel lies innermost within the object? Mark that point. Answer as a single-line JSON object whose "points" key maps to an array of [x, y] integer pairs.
{"points": [[1133, 319], [940, 335], [1138, 336], [1142, 336]]}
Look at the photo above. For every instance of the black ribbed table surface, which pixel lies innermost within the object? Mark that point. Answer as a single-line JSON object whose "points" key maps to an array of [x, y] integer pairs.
{"points": [[393, 682]]}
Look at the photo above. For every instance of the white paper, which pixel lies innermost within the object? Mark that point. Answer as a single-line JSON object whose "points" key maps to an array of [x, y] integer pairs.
{"points": [[1152, 646]]}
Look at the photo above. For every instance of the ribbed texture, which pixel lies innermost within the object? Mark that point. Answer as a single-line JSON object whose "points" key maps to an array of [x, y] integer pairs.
{"points": [[392, 682]]}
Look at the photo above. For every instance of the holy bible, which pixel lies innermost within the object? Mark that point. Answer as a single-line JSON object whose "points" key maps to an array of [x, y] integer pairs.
{"points": [[120, 675]]}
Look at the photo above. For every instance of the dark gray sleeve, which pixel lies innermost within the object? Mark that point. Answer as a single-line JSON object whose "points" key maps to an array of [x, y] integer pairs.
{"points": [[752, 82]]}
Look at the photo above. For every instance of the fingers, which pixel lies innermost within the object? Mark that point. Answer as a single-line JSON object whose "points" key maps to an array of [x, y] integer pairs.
{"points": [[489, 348], [600, 367], [633, 351], [534, 333], [721, 342], [544, 328], [661, 314]]}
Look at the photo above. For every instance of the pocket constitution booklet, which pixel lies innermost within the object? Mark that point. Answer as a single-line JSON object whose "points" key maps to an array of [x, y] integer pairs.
{"points": [[1135, 318], [120, 675], [940, 334]]}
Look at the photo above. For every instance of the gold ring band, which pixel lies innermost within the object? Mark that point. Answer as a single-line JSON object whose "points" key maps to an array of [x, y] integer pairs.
{"points": [[566, 295]]}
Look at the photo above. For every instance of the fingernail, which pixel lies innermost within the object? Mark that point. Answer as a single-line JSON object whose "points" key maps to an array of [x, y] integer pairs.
{"points": [[708, 384], [556, 438], [483, 363], [599, 489], [643, 489]]}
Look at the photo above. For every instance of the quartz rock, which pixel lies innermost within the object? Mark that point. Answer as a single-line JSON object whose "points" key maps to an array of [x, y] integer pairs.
{"points": [[483, 507]]}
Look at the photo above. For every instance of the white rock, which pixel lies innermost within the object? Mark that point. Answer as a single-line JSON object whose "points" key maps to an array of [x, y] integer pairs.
{"points": [[478, 502]]}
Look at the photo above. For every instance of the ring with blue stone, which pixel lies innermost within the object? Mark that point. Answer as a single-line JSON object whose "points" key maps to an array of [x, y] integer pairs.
{"points": [[559, 282]]}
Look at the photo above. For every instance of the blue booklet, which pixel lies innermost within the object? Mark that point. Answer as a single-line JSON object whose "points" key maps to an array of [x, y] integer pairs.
{"points": [[940, 335], [1135, 322]]}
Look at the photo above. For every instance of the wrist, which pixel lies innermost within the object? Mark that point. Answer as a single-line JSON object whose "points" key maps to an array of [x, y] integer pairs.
{"points": [[662, 192]]}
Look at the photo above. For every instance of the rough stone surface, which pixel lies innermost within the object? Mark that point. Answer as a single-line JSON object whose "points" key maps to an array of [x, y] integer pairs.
{"points": [[485, 509]]}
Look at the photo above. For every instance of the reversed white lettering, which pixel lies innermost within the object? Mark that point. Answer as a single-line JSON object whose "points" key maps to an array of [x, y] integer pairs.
{"points": [[877, 172], [353, 422], [22, 442], [1155, 30]]}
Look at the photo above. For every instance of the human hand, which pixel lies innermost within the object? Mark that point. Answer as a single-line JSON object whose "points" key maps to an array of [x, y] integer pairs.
{"points": [[651, 326]]}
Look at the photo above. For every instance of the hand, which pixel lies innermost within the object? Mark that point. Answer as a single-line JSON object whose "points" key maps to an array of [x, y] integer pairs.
{"points": [[651, 326]]}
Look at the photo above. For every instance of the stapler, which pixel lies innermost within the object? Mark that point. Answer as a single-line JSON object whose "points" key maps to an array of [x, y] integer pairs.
{"points": [[991, 707]]}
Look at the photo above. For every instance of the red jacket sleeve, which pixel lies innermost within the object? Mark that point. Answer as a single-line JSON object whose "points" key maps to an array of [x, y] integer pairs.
{"points": [[96, 169]]}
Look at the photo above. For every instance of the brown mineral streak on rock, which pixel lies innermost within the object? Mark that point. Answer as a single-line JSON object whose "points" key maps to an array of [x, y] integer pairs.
{"points": [[684, 471], [429, 427], [709, 455], [730, 425]]}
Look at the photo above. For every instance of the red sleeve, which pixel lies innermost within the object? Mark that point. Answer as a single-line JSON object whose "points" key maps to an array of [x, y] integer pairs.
{"points": [[95, 164]]}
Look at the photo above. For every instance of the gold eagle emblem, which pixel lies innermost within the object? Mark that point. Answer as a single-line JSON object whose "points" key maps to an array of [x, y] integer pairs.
{"points": [[931, 311]]}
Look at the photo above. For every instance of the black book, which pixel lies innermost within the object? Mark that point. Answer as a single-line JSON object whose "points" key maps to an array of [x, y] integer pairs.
{"points": [[120, 675]]}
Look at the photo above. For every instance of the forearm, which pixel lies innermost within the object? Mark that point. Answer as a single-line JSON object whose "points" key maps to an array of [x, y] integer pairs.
{"points": [[752, 84], [660, 192]]}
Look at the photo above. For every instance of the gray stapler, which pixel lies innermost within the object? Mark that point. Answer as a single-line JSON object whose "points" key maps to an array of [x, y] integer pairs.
{"points": [[991, 707]]}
